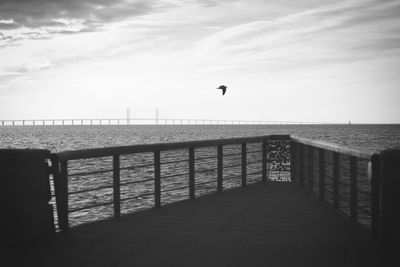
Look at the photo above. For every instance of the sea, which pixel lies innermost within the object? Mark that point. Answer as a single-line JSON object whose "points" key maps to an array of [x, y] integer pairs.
{"points": [[366, 137], [137, 191]]}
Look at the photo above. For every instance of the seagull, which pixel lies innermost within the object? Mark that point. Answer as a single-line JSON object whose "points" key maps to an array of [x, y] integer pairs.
{"points": [[223, 87]]}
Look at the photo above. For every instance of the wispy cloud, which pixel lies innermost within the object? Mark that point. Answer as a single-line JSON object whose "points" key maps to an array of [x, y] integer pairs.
{"points": [[347, 30]]}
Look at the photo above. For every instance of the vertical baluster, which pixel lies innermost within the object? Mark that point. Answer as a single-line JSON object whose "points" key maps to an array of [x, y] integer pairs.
{"points": [[116, 186], [244, 164], [157, 179], [321, 161], [335, 180], [61, 191], [264, 161], [310, 170], [192, 194], [353, 189], [220, 168]]}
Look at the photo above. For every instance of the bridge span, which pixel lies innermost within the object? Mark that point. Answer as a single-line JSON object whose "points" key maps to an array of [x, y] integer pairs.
{"points": [[145, 121]]}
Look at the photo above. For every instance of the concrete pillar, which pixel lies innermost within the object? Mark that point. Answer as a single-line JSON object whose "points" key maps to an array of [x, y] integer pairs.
{"points": [[26, 213], [390, 215]]}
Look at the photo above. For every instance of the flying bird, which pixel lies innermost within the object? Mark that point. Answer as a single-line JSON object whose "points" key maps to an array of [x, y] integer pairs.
{"points": [[223, 87]]}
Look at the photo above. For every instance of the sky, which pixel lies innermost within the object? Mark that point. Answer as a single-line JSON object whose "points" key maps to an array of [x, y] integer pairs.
{"points": [[286, 60]]}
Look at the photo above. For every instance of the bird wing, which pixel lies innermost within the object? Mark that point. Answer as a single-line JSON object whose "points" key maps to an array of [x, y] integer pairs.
{"points": [[223, 88]]}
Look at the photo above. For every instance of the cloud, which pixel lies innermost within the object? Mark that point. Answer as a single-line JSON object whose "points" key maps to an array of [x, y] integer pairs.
{"points": [[9, 73], [48, 17], [347, 30], [8, 80], [39, 13], [12, 75]]}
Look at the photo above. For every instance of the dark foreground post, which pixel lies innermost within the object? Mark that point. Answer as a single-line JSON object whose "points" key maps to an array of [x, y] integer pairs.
{"points": [[26, 215], [390, 215]]}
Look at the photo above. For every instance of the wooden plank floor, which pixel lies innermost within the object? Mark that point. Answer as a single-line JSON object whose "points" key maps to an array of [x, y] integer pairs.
{"points": [[274, 224]]}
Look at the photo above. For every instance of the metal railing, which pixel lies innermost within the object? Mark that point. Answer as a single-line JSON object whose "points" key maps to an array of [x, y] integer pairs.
{"points": [[347, 179], [93, 184]]}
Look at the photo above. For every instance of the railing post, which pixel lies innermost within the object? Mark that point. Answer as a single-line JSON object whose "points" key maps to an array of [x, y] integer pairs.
{"points": [[192, 194], [220, 156], [301, 164], [321, 161], [157, 179], [264, 161], [310, 170], [353, 189], [375, 188], [116, 186], [26, 214], [61, 191], [335, 180], [390, 216], [244, 164]]}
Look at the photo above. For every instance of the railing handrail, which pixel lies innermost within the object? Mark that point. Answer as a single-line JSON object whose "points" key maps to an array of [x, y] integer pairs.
{"points": [[60, 162], [334, 147], [119, 150], [306, 153]]}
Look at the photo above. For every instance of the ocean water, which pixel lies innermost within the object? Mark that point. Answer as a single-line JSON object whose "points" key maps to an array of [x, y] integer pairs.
{"points": [[137, 173], [59, 138]]}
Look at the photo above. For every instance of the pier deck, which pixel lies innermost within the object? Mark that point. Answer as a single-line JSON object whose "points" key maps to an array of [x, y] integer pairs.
{"points": [[273, 224]]}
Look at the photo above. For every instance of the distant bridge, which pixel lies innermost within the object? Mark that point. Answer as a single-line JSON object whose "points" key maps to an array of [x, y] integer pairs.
{"points": [[147, 121]]}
